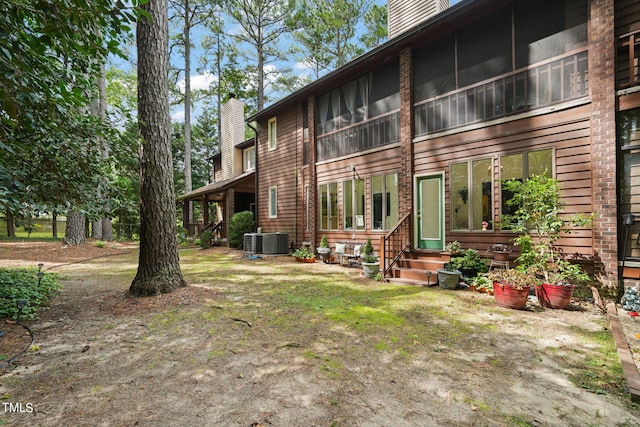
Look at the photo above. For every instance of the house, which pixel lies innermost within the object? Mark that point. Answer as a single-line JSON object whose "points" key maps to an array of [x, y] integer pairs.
{"points": [[408, 143], [232, 186]]}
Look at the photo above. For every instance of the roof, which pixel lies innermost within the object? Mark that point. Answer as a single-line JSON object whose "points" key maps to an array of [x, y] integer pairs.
{"points": [[215, 190], [447, 21]]}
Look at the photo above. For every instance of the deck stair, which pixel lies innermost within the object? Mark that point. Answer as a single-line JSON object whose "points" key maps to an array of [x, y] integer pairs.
{"points": [[414, 268]]}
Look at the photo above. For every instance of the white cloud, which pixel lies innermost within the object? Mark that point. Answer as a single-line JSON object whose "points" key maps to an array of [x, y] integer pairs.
{"points": [[200, 81]]}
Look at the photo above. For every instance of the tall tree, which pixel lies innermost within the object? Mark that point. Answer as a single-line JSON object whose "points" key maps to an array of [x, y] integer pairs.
{"points": [[158, 264], [192, 13], [263, 23], [48, 62], [375, 21], [326, 32]]}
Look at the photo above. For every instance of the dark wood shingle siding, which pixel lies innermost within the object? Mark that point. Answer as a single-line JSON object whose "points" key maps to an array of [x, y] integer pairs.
{"points": [[280, 168]]}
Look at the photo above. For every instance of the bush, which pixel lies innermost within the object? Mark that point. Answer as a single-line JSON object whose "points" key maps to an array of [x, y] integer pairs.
{"points": [[205, 239], [241, 223], [22, 284]]}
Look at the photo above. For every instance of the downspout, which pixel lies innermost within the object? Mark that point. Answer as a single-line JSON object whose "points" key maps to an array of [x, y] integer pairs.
{"points": [[255, 176]]}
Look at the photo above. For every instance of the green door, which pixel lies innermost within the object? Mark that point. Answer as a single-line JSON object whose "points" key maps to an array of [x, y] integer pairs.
{"points": [[430, 212]]}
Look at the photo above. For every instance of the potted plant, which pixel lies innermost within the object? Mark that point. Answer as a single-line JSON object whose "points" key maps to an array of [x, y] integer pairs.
{"points": [[470, 264], [448, 277], [538, 218], [370, 264], [511, 287], [324, 250], [453, 247], [304, 255], [500, 251]]}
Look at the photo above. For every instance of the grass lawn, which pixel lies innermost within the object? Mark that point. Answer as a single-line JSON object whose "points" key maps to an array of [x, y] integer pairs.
{"points": [[274, 342]]}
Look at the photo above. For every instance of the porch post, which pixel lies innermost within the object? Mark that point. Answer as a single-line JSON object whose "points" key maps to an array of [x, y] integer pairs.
{"points": [[205, 211], [185, 217]]}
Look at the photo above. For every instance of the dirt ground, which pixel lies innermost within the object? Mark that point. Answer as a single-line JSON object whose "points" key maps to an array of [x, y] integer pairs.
{"points": [[103, 359]]}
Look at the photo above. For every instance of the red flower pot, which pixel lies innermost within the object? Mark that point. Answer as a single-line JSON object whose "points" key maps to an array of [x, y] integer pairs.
{"points": [[554, 296], [508, 296]]}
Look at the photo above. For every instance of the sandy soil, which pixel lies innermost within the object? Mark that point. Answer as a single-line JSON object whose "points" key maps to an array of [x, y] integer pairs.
{"points": [[101, 358]]}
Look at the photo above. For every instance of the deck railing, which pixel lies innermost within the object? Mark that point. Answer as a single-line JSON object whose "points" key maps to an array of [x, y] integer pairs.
{"points": [[629, 59], [395, 244], [546, 83], [380, 130]]}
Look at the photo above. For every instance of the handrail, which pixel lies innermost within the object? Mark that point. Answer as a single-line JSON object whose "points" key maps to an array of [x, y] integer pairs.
{"points": [[395, 244]]}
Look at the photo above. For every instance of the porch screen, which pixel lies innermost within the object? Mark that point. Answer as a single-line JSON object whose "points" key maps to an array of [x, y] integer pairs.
{"points": [[484, 49], [548, 28], [434, 69]]}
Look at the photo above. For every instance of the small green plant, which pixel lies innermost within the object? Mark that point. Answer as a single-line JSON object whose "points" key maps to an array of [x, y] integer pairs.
{"points": [[323, 242], [481, 283], [367, 253], [100, 244], [240, 224], [470, 264], [538, 217], [205, 239], [453, 247], [23, 284], [303, 253]]}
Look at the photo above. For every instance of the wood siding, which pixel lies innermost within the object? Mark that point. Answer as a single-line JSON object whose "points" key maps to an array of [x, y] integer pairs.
{"points": [[567, 132], [281, 168]]}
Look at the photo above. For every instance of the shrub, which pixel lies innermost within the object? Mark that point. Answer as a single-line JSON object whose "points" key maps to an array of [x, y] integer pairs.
{"points": [[22, 284], [241, 223], [205, 239]]}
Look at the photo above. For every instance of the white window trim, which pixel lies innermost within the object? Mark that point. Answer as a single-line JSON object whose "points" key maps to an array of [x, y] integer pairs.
{"points": [[273, 208], [272, 130]]}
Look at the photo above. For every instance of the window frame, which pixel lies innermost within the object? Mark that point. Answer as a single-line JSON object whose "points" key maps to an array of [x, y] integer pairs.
{"points": [[526, 171], [470, 196], [273, 201], [354, 198], [249, 154], [272, 133], [386, 203]]}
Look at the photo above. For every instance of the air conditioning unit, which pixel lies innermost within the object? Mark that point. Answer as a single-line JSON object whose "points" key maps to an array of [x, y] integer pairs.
{"points": [[252, 243], [275, 243]]}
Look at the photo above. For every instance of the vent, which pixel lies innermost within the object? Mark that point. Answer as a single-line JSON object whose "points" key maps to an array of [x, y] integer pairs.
{"points": [[275, 243], [252, 243]]}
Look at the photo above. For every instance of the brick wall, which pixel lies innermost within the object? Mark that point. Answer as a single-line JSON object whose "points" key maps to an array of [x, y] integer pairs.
{"points": [[405, 180], [603, 140], [312, 182]]}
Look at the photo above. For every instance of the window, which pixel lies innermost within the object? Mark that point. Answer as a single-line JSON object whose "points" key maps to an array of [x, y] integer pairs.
{"points": [[471, 195], [523, 165], [384, 201], [248, 159], [273, 202], [328, 206], [272, 133], [353, 204]]}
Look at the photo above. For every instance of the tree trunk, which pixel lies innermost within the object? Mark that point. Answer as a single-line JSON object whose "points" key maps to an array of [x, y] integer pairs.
{"points": [[11, 230], [74, 233], [54, 225], [107, 229], [188, 184], [158, 264], [96, 229]]}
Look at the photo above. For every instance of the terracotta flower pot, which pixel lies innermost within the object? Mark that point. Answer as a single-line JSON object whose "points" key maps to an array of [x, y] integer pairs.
{"points": [[554, 296], [501, 256], [508, 296]]}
